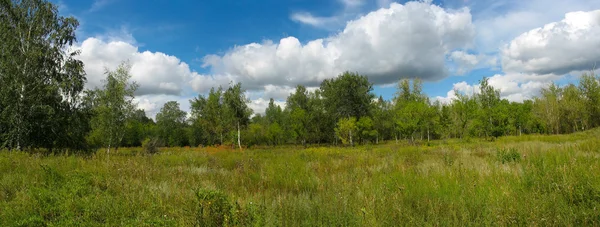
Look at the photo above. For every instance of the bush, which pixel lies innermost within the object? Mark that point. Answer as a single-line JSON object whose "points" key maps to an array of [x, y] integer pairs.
{"points": [[508, 155], [216, 209], [150, 145]]}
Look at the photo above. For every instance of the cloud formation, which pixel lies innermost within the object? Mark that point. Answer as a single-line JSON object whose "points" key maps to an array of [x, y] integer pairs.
{"points": [[514, 87], [560, 47], [155, 72], [402, 41]]}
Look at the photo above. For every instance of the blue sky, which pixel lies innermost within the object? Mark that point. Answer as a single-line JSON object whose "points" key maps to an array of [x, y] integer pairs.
{"points": [[179, 49]]}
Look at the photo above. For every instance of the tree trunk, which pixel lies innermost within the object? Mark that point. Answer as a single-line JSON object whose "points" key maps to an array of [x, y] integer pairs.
{"points": [[377, 139], [427, 134], [239, 141], [396, 138], [351, 143]]}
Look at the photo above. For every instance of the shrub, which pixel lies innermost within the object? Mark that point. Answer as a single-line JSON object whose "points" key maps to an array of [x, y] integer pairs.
{"points": [[150, 145], [508, 155], [216, 209]]}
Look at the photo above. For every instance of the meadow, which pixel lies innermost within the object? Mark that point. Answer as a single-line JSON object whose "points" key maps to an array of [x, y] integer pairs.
{"points": [[534, 180]]}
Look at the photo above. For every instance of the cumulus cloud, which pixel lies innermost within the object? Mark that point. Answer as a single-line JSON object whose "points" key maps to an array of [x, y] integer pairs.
{"points": [[464, 60], [401, 41], [498, 22], [155, 72], [560, 47], [260, 105], [152, 104], [514, 87]]}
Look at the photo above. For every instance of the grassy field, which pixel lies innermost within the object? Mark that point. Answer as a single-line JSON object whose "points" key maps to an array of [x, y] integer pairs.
{"points": [[528, 180]]}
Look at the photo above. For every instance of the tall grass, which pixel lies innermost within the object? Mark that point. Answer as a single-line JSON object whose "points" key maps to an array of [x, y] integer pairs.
{"points": [[529, 180]]}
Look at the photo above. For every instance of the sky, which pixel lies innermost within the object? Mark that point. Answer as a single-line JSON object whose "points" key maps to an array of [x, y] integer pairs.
{"points": [[181, 49]]}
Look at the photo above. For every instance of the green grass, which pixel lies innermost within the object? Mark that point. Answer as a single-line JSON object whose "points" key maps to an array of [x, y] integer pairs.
{"points": [[528, 180]]}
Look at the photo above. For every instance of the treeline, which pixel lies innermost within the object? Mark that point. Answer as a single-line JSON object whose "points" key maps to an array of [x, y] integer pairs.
{"points": [[43, 104]]}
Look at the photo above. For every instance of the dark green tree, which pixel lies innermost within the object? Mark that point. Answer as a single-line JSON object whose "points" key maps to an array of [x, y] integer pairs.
{"points": [[171, 125], [41, 81], [113, 105], [348, 95], [236, 106]]}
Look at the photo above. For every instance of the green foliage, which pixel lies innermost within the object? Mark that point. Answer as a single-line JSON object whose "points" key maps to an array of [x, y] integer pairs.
{"points": [[348, 95], [450, 183], [346, 128], [236, 107], [365, 129], [215, 209], [508, 155], [113, 106], [171, 124], [41, 80], [150, 146]]}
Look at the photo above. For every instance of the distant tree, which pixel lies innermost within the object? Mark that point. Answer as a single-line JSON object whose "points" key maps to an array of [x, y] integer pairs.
{"points": [[365, 129], [573, 112], [137, 128], [209, 117], [589, 85], [547, 108], [411, 107], [346, 130], [382, 119], [297, 106], [273, 113], [348, 95], [41, 81], [236, 105], [488, 99], [463, 109], [113, 106], [171, 124]]}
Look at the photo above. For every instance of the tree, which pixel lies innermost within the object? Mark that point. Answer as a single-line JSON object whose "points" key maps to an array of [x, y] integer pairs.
{"points": [[411, 107], [274, 119], [589, 84], [346, 128], [236, 105], [463, 111], [348, 95], [548, 109], [209, 117], [382, 119], [137, 128], [113, 106], [41, 81], [488, 99], [297, 106], [171, 124], [365, 129], [273, 113], [573, 112]]}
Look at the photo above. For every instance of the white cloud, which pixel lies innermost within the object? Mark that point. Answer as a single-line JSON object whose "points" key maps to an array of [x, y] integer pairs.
{"points": [[498, 22], [515, 87], [410, 40], [155, 72], [560, 47], [464, 60], [260, 105], [308, 18], [152, 104]]}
